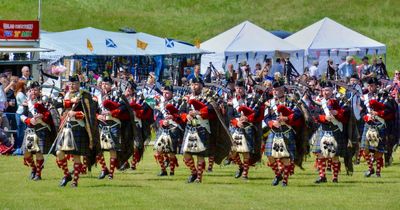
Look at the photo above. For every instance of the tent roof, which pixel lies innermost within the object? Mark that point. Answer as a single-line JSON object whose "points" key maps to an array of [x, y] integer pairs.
{"points": [[75, 42], [247, 37], [327, 34]]}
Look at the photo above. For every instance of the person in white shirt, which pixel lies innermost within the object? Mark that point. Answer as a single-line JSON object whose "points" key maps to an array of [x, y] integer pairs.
{"points": [[313, 71]]}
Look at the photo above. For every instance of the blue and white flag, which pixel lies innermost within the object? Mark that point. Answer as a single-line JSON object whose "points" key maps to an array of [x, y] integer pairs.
{"points": [[169, 43], [110, 43]]}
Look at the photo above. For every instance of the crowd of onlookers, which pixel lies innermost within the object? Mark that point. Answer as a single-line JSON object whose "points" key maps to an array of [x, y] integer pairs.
{"points": [[12, 100]]}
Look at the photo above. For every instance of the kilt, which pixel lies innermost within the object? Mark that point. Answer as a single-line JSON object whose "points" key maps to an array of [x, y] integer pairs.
{"points": [[288, 135], [81, 139], [115, 130], [176, 135], [204, 138], [250, 133], [381, 145], [44, 140], [336, 133]]}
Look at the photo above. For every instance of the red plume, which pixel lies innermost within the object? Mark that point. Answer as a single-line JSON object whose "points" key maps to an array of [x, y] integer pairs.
{"points": [[171, 109], [110, 105], [284, 110], [375, 105], [40, 108], [334, 104], [246, 110], [197, 104]]}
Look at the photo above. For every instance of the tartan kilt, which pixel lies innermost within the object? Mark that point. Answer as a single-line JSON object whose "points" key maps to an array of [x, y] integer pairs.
{"points": [[250, 133], [289, 140], [81, 138], [176, 135], [204, 138], [339, 137], [115, 130], [44, 141], [381, 145]]}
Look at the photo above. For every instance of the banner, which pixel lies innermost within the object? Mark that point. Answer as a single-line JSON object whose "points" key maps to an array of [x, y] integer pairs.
{"points": [[19, 29]]}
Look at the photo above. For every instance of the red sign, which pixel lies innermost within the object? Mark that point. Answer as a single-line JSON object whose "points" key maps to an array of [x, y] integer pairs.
{"points": [[19, 29]]}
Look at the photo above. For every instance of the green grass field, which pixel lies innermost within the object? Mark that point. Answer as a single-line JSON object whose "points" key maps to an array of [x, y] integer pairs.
{"points": [[203, 19], [143, 189]]}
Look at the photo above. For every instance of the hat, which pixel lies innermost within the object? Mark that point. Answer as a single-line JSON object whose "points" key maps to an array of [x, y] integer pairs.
{"points": [[197, 80], [373, 80], [354, 76], [107, 79], [74, 78], [169, 88], [326, 84], [239, 83], [34, 84], [277, 84], [365, 58]]}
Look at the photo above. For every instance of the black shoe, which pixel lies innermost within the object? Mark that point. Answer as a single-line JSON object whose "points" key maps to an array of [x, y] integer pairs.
{"points": [[37, 178], [33, 174], [276, 180], [192, 178], [335, 180], [133, 167], [197, 181], [110, 177], [320, 180], [239, 173], [227, 162], [124, 166], [65, 180], [103, 174], [163, 173], [284, 184], [171, 173], [74, 185], [369, 173], [245, 178], [378, 175], [329, 169], [209, 170]]}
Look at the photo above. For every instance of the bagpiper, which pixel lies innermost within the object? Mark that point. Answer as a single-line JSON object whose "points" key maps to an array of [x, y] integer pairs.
{"points": [[330, 142], [109, 118], [242, 126], [378, 117], [197, 131], [40, 132], [170, 130], [79, 132], [281, 116]]}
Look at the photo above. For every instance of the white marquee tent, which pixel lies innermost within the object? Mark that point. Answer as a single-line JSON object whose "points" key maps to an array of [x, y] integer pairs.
{"points": [[92, 41], [247, 42], [328, 39]]}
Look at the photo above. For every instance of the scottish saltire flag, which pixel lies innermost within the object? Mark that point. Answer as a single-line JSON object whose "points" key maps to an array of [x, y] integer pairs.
{"points": [[110, 43], [169, 43]]}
